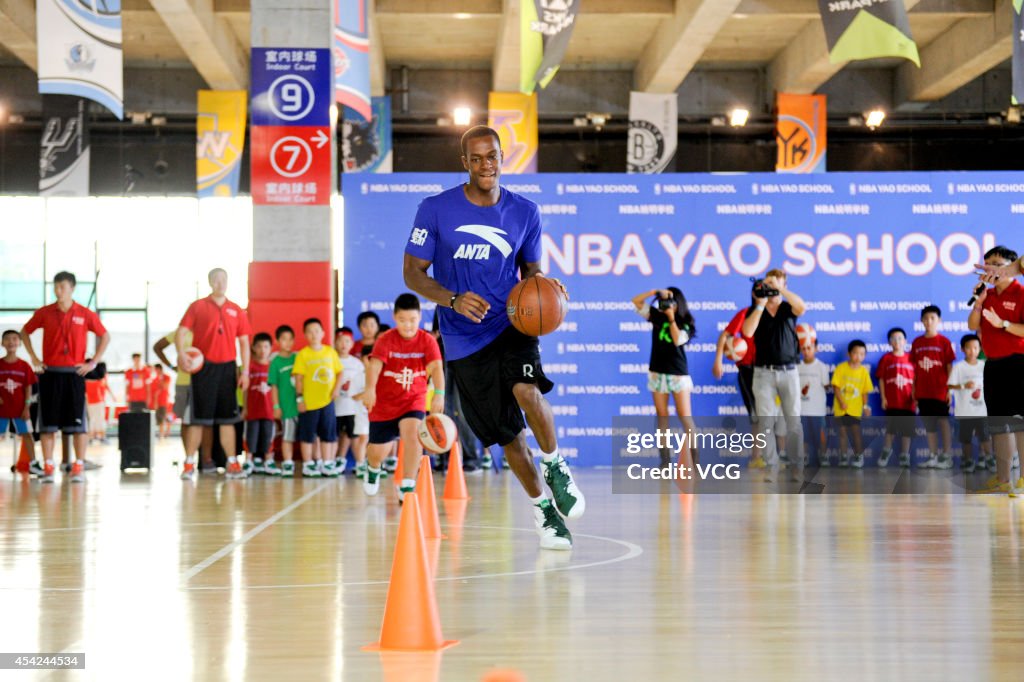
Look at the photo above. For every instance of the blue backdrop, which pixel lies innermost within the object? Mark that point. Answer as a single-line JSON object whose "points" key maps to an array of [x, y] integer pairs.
{"points": [[866, 250]]}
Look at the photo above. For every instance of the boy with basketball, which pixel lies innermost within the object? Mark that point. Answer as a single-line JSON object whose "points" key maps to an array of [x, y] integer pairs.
{"points": [[966, 381], [283, 399], [896, 383], [480, 239], [258, 406], [852, 383], [933, 356], [396, 390], [316, 371]]}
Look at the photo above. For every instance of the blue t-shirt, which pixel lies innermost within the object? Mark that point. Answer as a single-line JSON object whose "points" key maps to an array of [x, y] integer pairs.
{"points": [[479, 249]]}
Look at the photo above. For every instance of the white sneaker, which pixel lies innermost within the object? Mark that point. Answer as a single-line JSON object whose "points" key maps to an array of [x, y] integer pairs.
{"points": [[905, 460], [944, 461], [550, 527], [844, 460], [371, 482], [883, 459], [930, 463], [310, 470]]}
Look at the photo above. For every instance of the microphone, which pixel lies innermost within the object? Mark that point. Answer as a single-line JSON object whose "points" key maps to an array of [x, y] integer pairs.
{"points": [[977, 292]]}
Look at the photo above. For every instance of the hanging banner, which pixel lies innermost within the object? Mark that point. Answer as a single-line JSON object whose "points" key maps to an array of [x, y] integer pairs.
{"points": [[653, 121], [290, 138], [220, 139], [1018, 52], [514, 116], [366, 146], [866, 30], [801, 133], [81, 54], [545, 27], [64, 148], [352, 56]]}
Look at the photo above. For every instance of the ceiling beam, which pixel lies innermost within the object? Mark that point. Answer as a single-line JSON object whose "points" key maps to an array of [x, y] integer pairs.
{"points": [[804, 65], [207, 40], [679, 43], [495, 7], [505, 64], [961, 54], [378, 64], [18, 30]]}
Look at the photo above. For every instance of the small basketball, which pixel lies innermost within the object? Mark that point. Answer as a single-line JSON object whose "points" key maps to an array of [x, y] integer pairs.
{"points": [[736, 348], [437, 433], [806, 335], [536, 306], [196, 357]]}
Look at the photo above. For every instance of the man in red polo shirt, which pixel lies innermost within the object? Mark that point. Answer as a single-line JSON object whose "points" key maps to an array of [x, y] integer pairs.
{"points": [[65, 326], [217, 325]]}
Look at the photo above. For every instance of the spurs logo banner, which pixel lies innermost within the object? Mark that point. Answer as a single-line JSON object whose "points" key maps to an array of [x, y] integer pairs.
{"points": [[220, 139], [801, 133], [366, 146], [652, 132], [1018, 51], [866, 29], [514, 116], [64, 148], [81, 53], [545, 27], [352, 57]]}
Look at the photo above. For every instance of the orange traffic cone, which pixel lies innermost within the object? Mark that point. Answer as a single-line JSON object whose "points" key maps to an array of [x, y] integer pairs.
{"points": [[455, 480], [428, 501], [25, 457], [398, 467], [411, 620]]}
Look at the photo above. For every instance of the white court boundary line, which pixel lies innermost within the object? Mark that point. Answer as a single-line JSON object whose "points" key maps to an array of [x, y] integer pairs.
{"points": [[249, 535]]}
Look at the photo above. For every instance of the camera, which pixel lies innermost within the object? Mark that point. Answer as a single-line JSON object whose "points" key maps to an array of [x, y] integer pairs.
{"points": [[762, 290], [665, 303]]}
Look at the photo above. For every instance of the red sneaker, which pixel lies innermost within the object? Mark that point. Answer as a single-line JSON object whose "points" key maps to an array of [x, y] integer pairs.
{"points": [[77, 471]]}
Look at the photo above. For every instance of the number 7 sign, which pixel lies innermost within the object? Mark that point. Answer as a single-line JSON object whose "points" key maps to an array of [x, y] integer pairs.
{"points": [[291, 165]]}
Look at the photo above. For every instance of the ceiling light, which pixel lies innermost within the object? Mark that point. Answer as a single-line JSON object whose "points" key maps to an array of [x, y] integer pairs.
{"points": [[1013, 115], [874, 118], [462, 116], [718, 121], [738, 117], [462, 15]]}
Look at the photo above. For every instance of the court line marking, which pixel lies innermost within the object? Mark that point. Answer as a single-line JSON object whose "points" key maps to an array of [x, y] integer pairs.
{"points": [[249, 535]]}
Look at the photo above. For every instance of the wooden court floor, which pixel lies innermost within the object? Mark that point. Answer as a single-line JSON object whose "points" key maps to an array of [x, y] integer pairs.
{"points": [[155, 579]]}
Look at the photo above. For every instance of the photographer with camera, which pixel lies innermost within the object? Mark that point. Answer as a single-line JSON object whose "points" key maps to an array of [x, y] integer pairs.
{"points": [[772, 323], [672, 326]]}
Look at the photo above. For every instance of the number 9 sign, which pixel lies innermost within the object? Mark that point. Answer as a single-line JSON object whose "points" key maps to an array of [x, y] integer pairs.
{"points": [[291, 97]]}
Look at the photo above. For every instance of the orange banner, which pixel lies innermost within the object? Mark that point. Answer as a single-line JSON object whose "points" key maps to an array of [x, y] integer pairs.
{"points": [[514, 116], [801, 132]]}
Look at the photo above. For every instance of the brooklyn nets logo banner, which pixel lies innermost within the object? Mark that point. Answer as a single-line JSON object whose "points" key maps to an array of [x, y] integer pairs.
{"points": [[545, 27], [64, 148], [866, 29], [652, 132], [81, 53]]}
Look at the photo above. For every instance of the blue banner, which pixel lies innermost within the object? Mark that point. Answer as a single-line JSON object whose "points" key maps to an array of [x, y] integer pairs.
{"points": [[866, 251], [291, 87], [352, 56]]}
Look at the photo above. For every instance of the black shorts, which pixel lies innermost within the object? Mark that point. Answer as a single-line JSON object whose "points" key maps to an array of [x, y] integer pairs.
{"points": [[848, 421], [1004, 395], [389, 431], [900, 423], [346, 425], [931, 412], [745, 379], [972, 426], [61, 401], [485, 380], [214, 400]]}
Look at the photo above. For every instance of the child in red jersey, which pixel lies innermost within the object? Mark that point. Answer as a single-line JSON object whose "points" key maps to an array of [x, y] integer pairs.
{"points": [[932, 356], [16, 381], [396, 390], [896, 384], [258, 406], [160, 399]]}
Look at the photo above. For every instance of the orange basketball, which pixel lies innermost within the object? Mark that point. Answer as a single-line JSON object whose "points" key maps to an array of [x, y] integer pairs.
{"points": [[537, 306]]}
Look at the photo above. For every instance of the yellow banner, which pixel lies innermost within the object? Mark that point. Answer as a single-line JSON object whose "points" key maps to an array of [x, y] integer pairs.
{"points": [[801, 132], [514, 116], [220, 139]]}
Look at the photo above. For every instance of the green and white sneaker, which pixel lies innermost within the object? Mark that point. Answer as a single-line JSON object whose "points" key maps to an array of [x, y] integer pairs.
{"points": [[487, 462], [371, 483], [991, 463], [844, 460], [258, 467], [247, 468], [390, 464], [330, 469], [310, 470], [858, 461], [288, 470], [550, 527], [970, 467], [943, 461], [271, 468], [568, 498], [905, 460], [361, 470], [883, 459], [402, 490]]}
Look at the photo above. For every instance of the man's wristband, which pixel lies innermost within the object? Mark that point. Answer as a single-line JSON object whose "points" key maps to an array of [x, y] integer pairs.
{"points": [[300, 399], [759, 308], [439, 391], [451, 301]]}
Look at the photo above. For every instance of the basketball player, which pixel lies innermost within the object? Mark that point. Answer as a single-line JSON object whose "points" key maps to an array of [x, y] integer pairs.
{"points": [[480, 238]]}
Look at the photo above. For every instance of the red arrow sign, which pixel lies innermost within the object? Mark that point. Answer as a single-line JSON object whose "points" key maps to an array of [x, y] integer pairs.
{"points": [[291, 165]]}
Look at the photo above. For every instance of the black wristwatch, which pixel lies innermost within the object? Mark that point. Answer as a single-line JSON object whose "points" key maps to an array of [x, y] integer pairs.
{"points": [[451, 301]]}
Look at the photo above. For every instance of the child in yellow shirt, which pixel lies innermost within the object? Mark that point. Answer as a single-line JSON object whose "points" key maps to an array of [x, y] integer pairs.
{"points": [[852, 383]]}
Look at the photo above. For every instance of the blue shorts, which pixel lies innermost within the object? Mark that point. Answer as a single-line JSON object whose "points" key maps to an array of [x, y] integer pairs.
{"points": [[20, 425], [386, 432], [320, 424]]}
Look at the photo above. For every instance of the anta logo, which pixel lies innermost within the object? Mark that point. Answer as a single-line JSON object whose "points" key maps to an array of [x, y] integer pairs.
{"points": [[77, 319], [232, 313], [1010, 305], [491, 235], [927, 364]]}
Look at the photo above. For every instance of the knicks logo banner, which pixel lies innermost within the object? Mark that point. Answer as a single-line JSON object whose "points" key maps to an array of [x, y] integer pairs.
{"points": [[801, 133], [514, 116], [220, 139], [81, 53]]}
